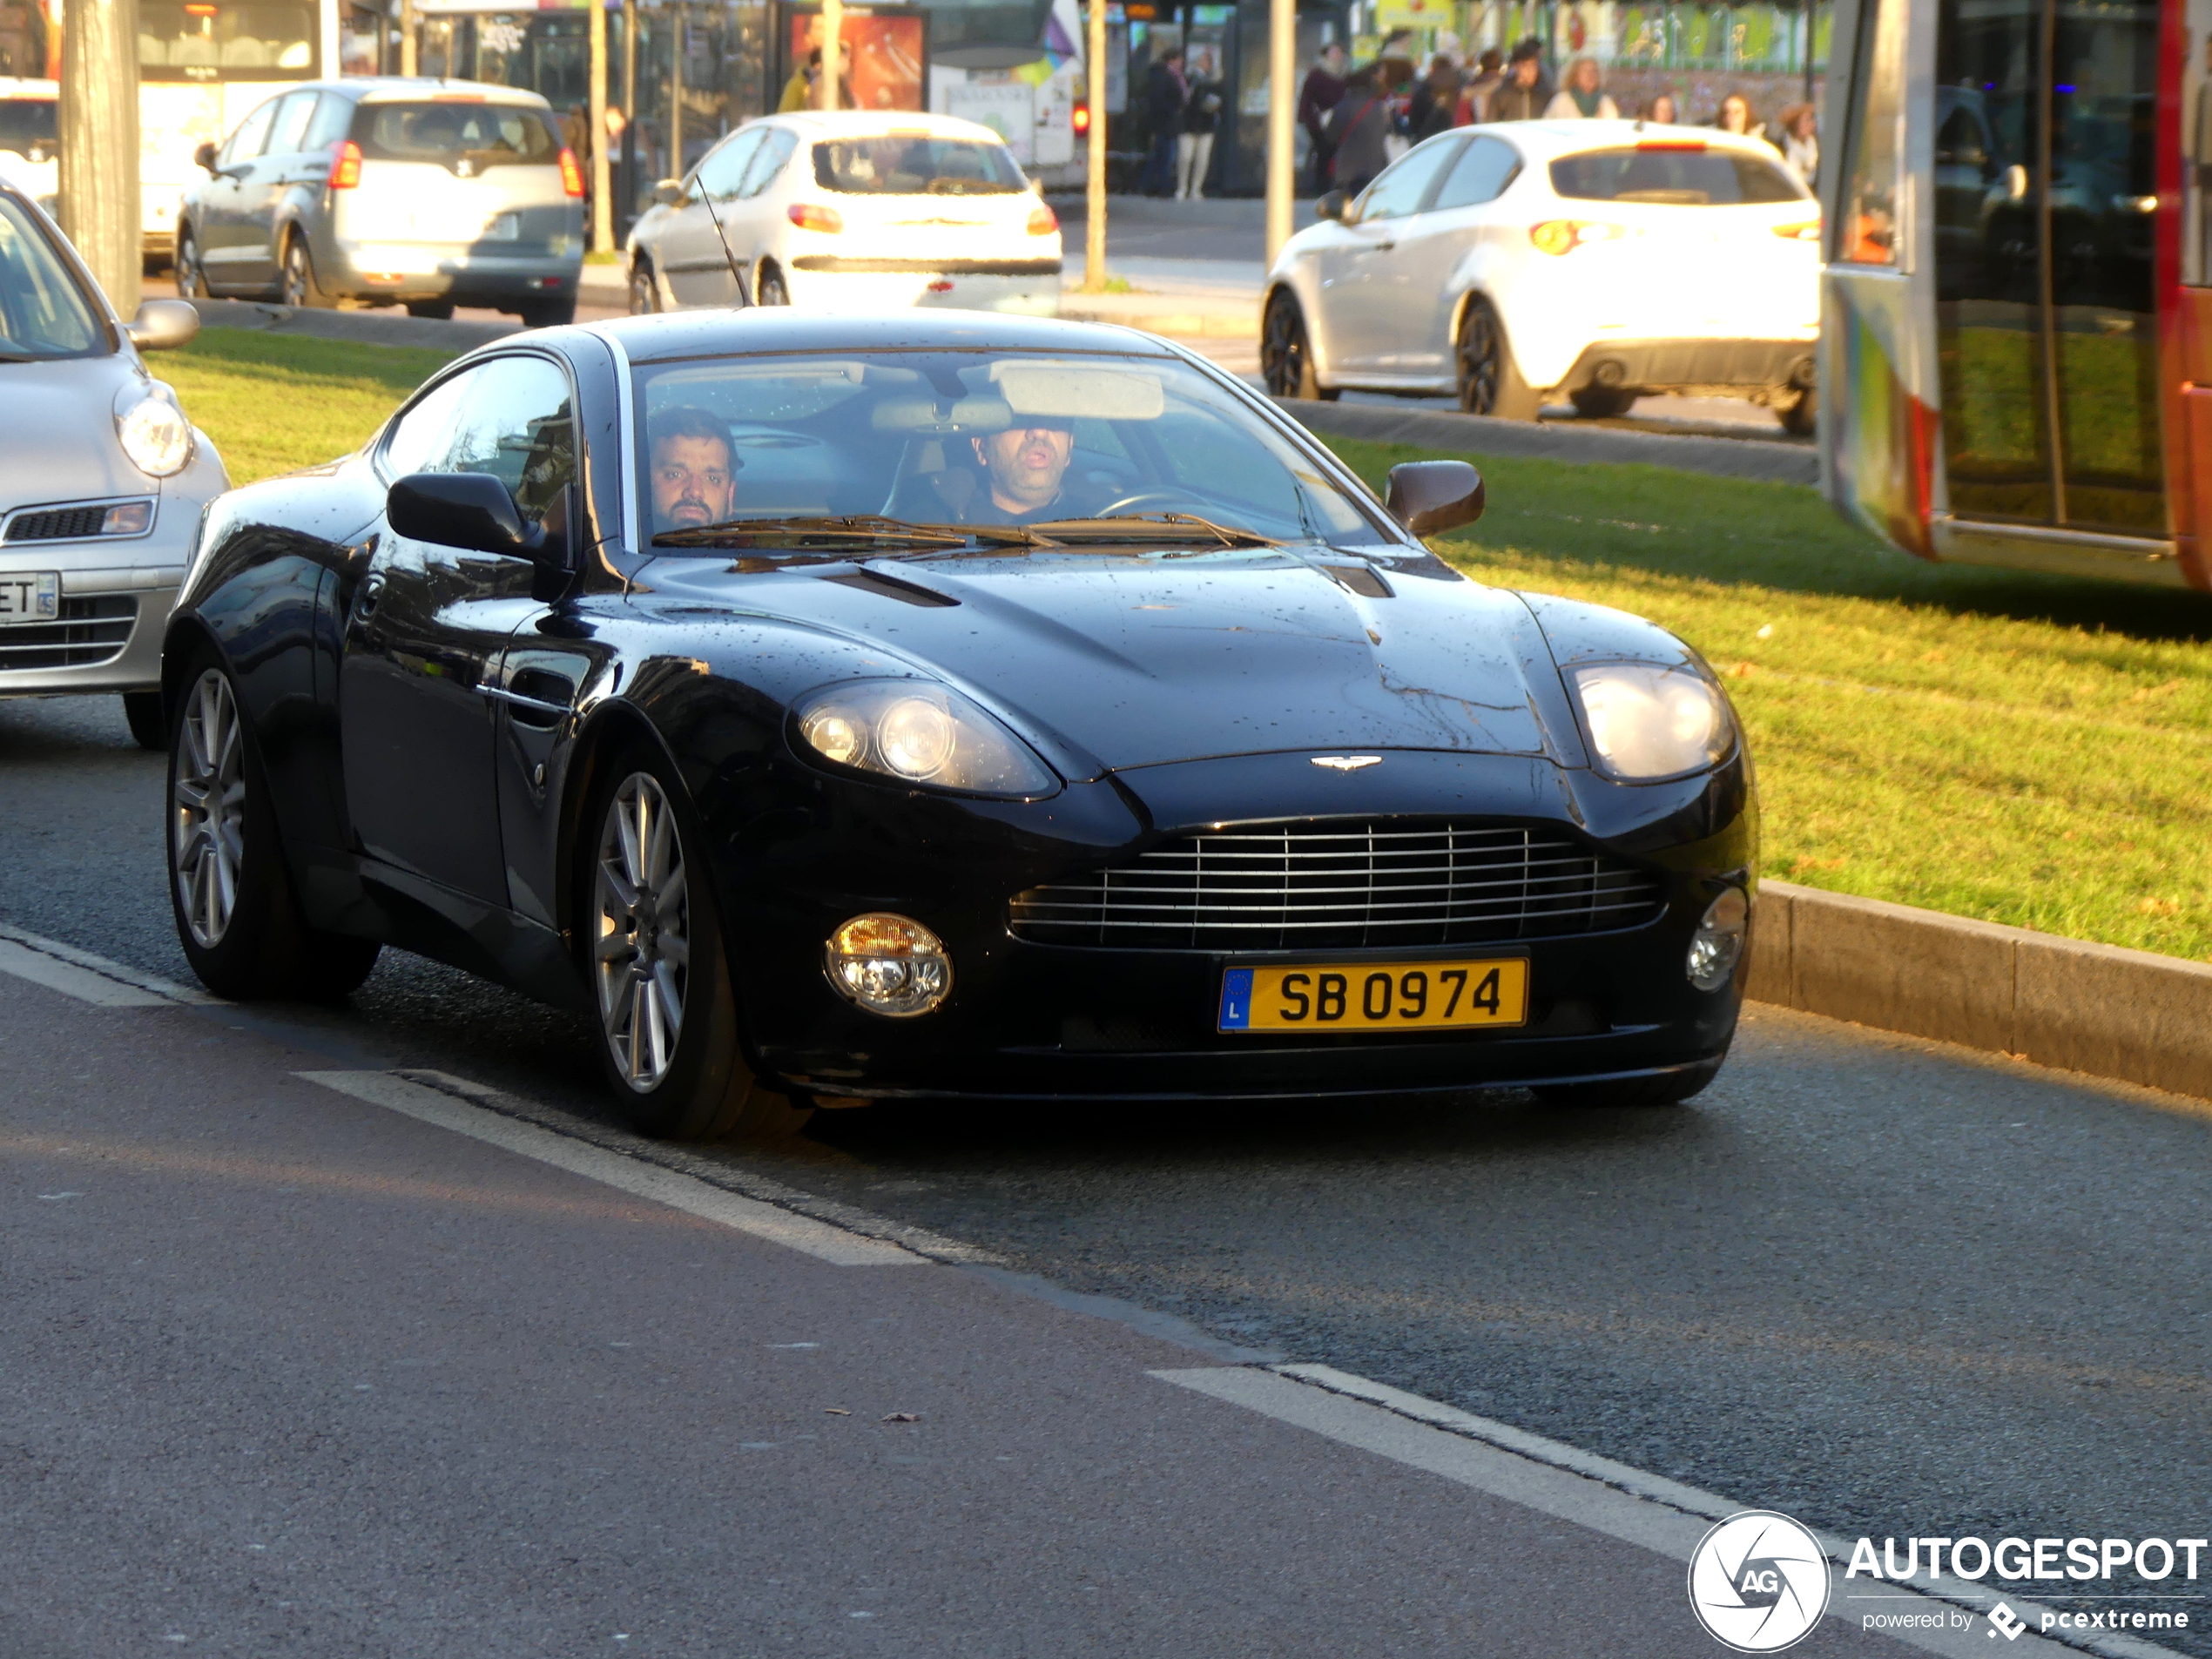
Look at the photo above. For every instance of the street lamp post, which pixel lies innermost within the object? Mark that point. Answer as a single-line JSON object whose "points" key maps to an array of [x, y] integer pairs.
{"points": [[1095, 150], [832, 34], [1282, 110], [602, 207]]}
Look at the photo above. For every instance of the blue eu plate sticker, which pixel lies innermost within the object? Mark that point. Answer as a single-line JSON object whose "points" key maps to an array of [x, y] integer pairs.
{"points": [[1236, 1000]]}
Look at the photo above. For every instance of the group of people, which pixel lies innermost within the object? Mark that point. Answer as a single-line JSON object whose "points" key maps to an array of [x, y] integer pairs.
{"points": [[1352, 118], [1184, 98]]}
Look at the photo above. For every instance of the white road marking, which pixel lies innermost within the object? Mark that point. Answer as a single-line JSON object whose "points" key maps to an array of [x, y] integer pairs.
{"points": [[693, 1197], [1611, 1498], [86, 977]]}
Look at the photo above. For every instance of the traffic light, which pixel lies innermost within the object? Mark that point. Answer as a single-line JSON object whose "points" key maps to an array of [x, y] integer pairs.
{"points": [[1082, 119]]}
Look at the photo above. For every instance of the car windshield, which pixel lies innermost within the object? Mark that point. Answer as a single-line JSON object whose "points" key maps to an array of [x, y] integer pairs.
{"points": [[27, 124], [43, 312], [453, 131], [910, 165], [202, 40], [1676, 175], [1076, 448]]}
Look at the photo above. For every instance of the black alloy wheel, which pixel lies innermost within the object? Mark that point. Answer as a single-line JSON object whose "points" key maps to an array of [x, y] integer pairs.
{"points": [[192, 281], [238, 917], [1285, 354], [768, 287], [644, 290], [547, 313], [1490, 382], [296, 283], [651, 936]]}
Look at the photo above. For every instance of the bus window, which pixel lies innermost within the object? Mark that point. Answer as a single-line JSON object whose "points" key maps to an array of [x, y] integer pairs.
{"points": [[220, 40], [1866, 225]]}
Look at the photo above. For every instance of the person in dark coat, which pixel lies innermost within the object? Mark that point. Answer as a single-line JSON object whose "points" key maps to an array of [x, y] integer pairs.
{"points": [[1525, 92], [1165, 93], [1201, 114], [1323, 90], [1435, 104], [1358, 131]]}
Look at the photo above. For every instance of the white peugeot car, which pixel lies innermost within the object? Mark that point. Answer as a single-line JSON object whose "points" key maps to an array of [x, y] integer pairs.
{"points": [[1591, 261], [851, 210]]}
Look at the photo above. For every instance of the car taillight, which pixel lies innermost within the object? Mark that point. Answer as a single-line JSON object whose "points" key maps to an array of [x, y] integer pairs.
{"points": [[1565, 235], [1798, 230], [1080, 119], [571, 175], [1043, 222], [346, 165], [808, 217]]}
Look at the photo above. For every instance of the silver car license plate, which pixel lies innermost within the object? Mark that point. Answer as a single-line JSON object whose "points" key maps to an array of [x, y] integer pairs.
{"points": [[29, 595], [503, 227]]}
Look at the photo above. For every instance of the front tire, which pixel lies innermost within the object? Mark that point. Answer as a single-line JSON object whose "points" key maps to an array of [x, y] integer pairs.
{"points": [[192, 281], [1286, 352], [237, 916], [655, 956], [1801, 414], [1490, 380], [1669, 1089]]}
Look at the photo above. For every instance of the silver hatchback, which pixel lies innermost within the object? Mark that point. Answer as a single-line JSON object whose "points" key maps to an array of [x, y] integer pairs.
{"points": [[425, 193], [102, 478]]}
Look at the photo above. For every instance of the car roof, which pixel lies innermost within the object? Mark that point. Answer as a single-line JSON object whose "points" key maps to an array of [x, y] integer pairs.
{"points": [[1545, 139], [16, 86], [876, 124], [678, 334], [377, 89]]}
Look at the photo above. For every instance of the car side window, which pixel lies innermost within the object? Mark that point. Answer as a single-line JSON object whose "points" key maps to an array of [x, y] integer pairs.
{"points": [[253, 132], [768, 161], [1403, 185], [510, 417], [1480, 174], [288, 135], [723, 172], [426, 431], [333, 119]]}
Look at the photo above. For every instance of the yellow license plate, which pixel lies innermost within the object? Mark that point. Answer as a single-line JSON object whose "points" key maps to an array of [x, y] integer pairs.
{"points": [[1375, 996]]}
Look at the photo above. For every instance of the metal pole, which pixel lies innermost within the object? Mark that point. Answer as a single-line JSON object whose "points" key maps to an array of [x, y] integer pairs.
{"points": [[602, 206], [100, 207], [678, 31], [1282, 111], [833, 35], [409, 61], [629, 110], [1095, 150]]}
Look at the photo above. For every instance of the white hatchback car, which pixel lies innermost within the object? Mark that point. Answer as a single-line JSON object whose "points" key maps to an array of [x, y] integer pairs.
{"points": [[851, 210], [1597, 261]]}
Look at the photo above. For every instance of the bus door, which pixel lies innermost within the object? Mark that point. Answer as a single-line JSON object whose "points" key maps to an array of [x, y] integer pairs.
{"points": [[2045, 203]]}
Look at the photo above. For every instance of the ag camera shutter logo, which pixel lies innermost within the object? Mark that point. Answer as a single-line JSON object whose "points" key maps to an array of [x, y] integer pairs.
{"points": [[1758, 1582]]}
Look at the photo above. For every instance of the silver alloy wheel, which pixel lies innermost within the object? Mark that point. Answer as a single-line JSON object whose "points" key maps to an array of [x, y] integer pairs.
{"points": [[641, 949], [292, 288], [191, 284], [644, 292], [207, 809]]}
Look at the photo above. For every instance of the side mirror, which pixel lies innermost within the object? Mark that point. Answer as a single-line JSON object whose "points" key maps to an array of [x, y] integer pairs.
{"points": [[204, 158], [469, 511], [163, 325], [1330, 206], [668, 192], [1429, 497]]}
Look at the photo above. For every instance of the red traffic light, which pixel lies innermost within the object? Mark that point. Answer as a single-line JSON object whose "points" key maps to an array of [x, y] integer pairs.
{"points": [[1082, 121]]}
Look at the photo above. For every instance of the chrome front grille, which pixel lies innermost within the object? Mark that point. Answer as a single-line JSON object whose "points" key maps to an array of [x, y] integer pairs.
{"points": [[89, 631], [1303, 886]]}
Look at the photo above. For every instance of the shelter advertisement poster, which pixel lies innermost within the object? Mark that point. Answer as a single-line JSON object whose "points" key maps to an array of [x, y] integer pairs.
{"points": [[887, 51]]}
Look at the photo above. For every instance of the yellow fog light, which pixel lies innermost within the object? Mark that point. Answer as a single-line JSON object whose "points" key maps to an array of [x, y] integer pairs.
{"points": [[889, 965]]}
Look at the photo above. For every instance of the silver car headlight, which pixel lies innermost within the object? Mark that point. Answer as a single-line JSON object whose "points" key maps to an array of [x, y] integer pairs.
{"points": [[1648, 722], [921, 733], [153, 432]]}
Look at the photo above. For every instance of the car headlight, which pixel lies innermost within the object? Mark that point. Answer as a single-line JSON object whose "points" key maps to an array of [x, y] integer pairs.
{"points": [[921, 733], [1648, 722], [155, 434]]}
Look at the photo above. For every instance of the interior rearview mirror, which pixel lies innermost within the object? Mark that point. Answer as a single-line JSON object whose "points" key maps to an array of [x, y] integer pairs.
{"points": [[1429, 497], [668, 192], [469, 511], [163, 325], [204, 158], [1330, 206]]}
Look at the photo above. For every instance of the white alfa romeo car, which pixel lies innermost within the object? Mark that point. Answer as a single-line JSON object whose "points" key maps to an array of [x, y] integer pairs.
{"points": [[848, 211], [1595, 262]]}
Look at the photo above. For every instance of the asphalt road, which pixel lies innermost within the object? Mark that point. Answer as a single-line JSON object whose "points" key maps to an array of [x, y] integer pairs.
{"points": [[1883, 1286]]}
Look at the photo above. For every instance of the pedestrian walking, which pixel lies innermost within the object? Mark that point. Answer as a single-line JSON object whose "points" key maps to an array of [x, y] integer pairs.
{"points": [[1736, 116], [1201, 113], [1660, 111], [1165, 93], [1584, 96], [1474, 96], [1435, 107], [1323, 91], [1524, 93], [1800, 142], [1360, 131]]}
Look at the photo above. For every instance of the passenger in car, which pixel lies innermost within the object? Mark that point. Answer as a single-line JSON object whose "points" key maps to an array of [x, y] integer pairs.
{"points": [[694, 469]]}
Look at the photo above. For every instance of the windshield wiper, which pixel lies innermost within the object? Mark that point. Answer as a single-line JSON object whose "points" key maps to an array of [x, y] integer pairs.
{"points": [[1146, 527], [867, 528]]}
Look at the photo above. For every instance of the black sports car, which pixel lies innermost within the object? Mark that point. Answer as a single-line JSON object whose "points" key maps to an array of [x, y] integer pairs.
{"points": [[843, 710]]}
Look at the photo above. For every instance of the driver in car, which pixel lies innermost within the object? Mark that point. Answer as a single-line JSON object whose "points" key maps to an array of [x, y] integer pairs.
{"points": [[694, 473], [1025, 471]]}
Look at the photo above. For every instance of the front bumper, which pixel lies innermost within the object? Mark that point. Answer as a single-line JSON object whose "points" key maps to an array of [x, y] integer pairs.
{"points": [[1026, 1020]]}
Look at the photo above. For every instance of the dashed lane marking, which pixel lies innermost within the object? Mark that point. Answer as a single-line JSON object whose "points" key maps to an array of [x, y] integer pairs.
{"points": [[817, 1238], [88, 978]]}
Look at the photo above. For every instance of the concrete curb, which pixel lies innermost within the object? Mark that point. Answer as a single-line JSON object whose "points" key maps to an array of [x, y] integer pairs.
{"points": [[388, 328], [1172, 314], [1762, 460], [2129, 1014]]}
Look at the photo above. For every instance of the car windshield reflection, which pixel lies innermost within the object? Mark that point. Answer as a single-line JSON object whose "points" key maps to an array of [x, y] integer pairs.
{"points": [[937, 450]]}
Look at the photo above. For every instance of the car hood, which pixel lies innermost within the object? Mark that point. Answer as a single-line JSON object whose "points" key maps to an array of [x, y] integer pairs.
{"points": [[1138, 660], [57, 438]]}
